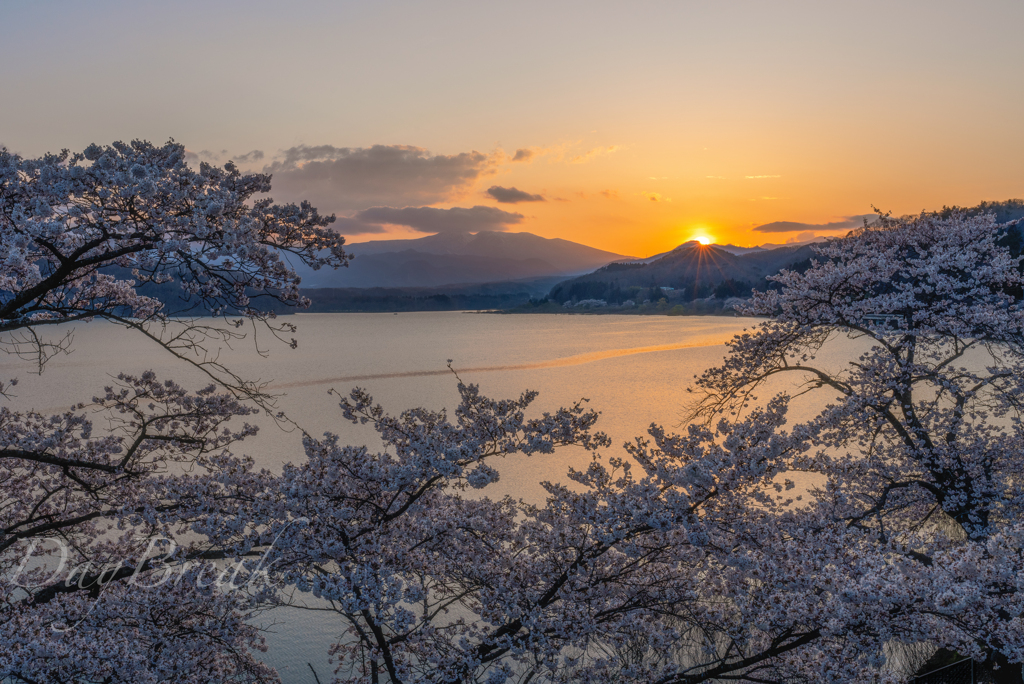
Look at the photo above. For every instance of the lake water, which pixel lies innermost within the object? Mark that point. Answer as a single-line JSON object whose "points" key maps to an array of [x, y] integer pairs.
{"points": [[634, 369]]}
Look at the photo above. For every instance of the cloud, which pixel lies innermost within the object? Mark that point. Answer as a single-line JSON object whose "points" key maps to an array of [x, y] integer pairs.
{"points": [[345, 225], [848, 223], [215, 156], [429, 219], [756, 177], [254, 156], [528, 155], [656, 197], [609, 194], [593, 154], [339, 179], [716, 177], [512, 195]]}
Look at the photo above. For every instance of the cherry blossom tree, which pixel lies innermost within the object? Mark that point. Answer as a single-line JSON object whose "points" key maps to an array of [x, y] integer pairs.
{"points": [[92, 520], [95, 505], [99, 234], [914, 534]]}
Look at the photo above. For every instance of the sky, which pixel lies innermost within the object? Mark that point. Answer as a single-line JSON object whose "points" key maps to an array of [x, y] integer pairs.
{"points": [[631, 127]]}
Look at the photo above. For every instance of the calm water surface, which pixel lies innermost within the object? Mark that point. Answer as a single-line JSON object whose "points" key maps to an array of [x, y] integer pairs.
{"points": [[633, 369]]}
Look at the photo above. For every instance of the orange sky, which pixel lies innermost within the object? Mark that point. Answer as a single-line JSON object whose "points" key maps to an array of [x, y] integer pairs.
{"points": [[646, 123]]}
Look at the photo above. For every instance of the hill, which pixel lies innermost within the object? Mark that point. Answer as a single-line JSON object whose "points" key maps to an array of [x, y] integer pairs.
{"points": [[690, 271], [457, 259]]}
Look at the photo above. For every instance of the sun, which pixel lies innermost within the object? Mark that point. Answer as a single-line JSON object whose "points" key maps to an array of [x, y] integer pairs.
{"points": [[703, 239]]}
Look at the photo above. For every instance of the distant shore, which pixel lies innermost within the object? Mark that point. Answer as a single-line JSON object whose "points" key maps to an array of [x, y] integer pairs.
{"points": [[698, 307]]}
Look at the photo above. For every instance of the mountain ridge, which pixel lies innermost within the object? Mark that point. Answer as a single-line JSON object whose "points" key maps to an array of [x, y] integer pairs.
{"points": [[691, 271], [458, 259]]}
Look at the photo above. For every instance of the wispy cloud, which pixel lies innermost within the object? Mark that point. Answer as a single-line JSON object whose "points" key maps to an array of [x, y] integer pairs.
{"points": [[609, 194], [249, 157], [716, 177], [207, 155], [758, 177], [204, 155], [524, 155], [593, 154], [512, 195], [656, 197]]}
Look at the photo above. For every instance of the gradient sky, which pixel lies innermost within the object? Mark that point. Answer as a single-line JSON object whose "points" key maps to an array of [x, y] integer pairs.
{"points": [[636, 125]]}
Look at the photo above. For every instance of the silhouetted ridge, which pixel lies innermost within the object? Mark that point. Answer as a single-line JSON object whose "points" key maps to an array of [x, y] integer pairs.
{"points": [[691, 271], [459, 258]]}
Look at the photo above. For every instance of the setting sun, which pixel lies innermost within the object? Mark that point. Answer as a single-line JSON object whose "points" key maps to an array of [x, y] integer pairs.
{"points": [[703, 239]]}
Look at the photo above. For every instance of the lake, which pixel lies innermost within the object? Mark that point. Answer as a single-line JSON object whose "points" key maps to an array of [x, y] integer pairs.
{"points": [[634, 369]]}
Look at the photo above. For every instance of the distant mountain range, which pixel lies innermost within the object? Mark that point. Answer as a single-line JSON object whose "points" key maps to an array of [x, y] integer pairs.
{"points": [[491, 270], [459, 258], [690, 271], [732, 249], [498, 270]]}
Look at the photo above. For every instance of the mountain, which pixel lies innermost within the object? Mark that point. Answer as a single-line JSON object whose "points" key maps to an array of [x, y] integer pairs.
{"points": [[691, 271], [731, 249], [459, 258]]}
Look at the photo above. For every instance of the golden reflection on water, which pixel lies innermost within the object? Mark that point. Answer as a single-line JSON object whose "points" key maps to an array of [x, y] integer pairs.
{"points": [[576, 360]]}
